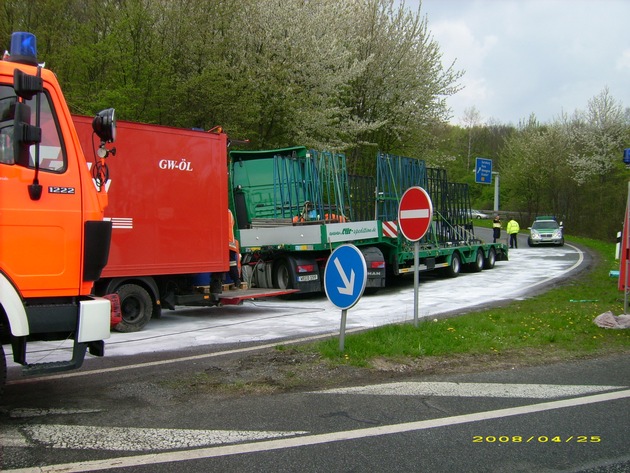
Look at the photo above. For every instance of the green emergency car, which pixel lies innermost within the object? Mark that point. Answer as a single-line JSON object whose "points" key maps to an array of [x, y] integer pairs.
{"points": [[546, 231]]}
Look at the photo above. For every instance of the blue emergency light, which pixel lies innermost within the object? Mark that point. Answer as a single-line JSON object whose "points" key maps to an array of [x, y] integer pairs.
{"points": [[23, 48]]}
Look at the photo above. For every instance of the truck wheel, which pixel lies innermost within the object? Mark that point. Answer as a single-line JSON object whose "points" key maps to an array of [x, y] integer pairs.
{"points": [[477, 265], [283, 274], [453, 270], [491, 259], [136, 308], [3, 369]]}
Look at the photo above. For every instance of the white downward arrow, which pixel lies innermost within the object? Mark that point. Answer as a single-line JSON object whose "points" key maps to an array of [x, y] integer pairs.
{"points": [[349, 285]]}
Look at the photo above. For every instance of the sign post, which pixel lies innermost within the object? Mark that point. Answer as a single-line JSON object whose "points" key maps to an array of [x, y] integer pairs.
{"points": [[345, 277], [624, 257], [415, 214]]}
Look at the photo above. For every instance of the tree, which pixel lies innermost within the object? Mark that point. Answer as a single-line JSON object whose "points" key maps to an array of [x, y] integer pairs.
{"points": [[291, 60], [534, 168], [595, 140], [401, 92], [472, 120], [596, 137]]}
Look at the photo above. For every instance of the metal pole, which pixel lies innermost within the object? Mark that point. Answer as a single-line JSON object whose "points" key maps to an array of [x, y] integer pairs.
{"points": [[416, 280], [342, 330], [496, 191], [625, 254]]}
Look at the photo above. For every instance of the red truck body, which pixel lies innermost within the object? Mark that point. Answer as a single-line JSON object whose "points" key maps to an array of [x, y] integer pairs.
{"points": [[168, 202], [170, 224]]}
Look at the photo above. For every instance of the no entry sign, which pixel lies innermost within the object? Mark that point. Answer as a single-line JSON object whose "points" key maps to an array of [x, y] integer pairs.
{"points": [[415, 213]]}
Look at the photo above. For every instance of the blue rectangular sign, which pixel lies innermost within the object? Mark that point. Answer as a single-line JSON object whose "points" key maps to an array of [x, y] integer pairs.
{"points": [[483, 171]]}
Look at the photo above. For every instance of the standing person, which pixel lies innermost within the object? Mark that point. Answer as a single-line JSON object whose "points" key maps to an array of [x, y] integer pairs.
{"points": [[513, 229], [234, 252], [496, 229]]}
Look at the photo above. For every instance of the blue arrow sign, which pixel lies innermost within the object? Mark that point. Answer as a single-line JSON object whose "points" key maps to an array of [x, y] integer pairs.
{"points": [[483, 171], [345, 276]]}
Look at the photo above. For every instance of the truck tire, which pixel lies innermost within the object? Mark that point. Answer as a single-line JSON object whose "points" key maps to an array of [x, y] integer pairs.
{"points": [[453, 270], [491, 259], [478, 265], [3, 369], [283, 274], [136, 307]]}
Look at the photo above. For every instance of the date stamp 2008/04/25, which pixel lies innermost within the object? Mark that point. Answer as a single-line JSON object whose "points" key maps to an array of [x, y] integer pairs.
{"points": [[536, 439]]}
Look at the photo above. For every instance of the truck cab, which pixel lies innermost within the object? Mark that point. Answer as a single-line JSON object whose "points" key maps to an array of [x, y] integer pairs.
{"points": [[54, 241]]}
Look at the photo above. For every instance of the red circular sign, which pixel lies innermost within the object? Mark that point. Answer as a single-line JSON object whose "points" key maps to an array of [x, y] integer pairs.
{"points": [[415, 213]]}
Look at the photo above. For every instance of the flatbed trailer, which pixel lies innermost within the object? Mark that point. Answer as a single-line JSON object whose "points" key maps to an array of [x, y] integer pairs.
{"points": [[294, 206]]}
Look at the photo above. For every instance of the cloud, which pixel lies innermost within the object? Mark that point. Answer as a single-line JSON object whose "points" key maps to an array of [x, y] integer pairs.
{"points": [[623, 62], [469, 53], [531, 56]]}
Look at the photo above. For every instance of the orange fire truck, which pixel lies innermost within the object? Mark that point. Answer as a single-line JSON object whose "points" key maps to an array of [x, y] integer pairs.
{"points": [[54, 241]]}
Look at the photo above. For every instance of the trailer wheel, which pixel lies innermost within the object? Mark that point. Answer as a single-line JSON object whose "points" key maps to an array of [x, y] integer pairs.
{"points": [[491, 259], [478, 265], [3, 369], [453, 270], [283, 274], [136, 308]]}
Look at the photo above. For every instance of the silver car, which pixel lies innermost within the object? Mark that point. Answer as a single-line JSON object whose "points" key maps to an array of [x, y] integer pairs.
{"points": [[478, 215]]}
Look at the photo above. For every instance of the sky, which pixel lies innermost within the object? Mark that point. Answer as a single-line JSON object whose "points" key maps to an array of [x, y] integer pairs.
{"points": [[545, 57]]}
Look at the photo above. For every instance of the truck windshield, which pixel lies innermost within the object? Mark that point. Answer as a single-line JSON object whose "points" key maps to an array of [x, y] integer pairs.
{"points": [[51, 154]]}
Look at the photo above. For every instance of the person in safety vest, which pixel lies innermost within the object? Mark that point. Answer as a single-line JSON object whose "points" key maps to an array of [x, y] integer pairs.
{"points": [[496, 229], [512, 229], [234, 252]]}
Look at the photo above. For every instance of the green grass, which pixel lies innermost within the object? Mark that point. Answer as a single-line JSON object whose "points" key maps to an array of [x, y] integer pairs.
{"points": [[558, 322]]}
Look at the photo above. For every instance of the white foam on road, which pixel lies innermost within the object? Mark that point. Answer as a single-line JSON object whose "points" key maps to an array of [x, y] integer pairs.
{"points": [[258, 321]]}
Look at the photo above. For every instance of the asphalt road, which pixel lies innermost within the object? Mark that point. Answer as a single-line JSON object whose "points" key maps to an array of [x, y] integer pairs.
{"points": [[560, 418]]}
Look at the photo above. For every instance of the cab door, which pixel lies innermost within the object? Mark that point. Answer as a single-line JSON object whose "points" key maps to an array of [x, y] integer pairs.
{"points": [[40, 238]]}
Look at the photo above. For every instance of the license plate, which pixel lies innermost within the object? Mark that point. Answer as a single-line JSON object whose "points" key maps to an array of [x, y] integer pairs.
{"points": [[310, 277]]}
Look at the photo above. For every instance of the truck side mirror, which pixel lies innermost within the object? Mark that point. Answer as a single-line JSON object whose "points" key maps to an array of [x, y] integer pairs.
{"points": [[26, 85], [24, 134]]}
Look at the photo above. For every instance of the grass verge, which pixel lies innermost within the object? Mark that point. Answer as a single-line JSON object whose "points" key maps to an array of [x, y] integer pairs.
{"points": [[556, 325], [552, 327]]}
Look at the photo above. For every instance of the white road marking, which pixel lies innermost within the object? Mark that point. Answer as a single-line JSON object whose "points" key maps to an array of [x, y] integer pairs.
{"points": [[564, 271], [131, 439], [13, 438], [277, 444], [21, 413], [534, 391]]}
